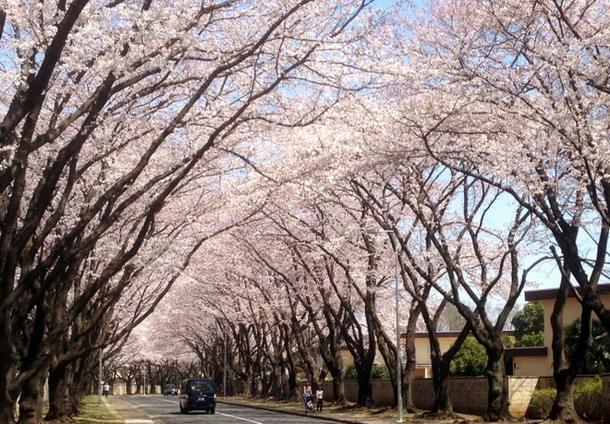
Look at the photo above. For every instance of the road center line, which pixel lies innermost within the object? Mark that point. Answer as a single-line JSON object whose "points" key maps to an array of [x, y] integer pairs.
{"points": [[239, 418]]}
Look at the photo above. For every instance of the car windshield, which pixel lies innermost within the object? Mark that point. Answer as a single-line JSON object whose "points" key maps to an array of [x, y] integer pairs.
{"points": [[201, 385]]}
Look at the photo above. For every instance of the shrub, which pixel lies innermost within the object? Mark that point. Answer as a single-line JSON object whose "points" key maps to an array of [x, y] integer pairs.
{"points": [[588, 399], [351, 373], [378, 371], [470, 360], [541, 403]]}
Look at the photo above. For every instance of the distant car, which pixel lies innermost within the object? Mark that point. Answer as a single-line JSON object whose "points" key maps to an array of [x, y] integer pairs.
{"points": [[170, 390], [198, 394]]}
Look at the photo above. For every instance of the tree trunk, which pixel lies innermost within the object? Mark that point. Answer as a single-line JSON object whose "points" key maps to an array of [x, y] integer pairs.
{"points": [[31, 400], [75, 397], [339, 388], [364, 368], [128, 389], [277, 383], [442, 401], [390, 356], [497, 399], [409, 369], [247, 384], [440, 377], [365, 389], [440, 371], [58, 385], [563, 407], [7, 410], [7, 402]]}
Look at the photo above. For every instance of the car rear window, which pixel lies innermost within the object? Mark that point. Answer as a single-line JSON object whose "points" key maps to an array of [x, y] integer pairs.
{"points": [[201, 385]]}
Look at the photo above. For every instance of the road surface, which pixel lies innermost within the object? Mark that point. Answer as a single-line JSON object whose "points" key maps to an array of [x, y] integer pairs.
{"points": [[165, 410]]}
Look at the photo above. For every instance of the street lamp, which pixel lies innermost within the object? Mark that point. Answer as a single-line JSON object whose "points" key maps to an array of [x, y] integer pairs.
{"points": [[398, 361], [100, 369], [224, 371]]}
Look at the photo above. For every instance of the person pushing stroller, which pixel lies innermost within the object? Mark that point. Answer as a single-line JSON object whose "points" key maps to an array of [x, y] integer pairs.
{"points": [[308, 397]]}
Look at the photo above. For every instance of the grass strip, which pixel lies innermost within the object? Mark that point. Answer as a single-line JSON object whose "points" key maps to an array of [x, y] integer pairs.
{"points": [[92, 412]]}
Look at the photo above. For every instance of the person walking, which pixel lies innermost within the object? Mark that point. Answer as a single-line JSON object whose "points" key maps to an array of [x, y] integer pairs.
{"points": [[106, 389], [307, 397], [319, 399]]}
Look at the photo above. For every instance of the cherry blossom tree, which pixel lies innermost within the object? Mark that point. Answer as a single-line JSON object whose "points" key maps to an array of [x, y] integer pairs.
{"points": [[108, 113], [348, 275], [453, 242], [523, 89]]}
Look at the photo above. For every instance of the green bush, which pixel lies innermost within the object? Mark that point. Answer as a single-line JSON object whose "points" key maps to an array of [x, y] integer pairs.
{"points": [[378, 371], [470, 360], [541, 403], [527, 340], [587, 401]]}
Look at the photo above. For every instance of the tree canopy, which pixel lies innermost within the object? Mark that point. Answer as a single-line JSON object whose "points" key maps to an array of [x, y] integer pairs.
{"points": [[287, 169]]}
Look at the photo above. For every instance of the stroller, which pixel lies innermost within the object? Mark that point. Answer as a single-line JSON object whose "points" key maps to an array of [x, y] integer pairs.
{"points": [[309, 404]]}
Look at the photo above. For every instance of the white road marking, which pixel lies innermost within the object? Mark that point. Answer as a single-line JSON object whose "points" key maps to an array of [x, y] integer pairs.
{"points": [[239, 418]]}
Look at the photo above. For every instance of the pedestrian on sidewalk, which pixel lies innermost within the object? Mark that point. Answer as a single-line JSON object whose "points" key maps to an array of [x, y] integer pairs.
{"points": [[319, 398], [307, 397]]}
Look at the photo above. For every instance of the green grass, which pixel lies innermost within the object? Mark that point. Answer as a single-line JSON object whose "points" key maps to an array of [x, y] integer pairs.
{"points": [[93, 413]]}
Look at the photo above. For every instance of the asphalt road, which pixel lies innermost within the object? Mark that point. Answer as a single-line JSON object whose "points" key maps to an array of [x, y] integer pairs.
{"points": [[164, 409]]}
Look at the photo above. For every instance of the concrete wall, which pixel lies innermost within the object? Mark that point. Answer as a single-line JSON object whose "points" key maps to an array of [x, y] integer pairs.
{"points": [[120, 389], [468, 394]]}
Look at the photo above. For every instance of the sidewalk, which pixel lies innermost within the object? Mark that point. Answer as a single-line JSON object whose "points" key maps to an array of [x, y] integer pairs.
{"points": [[127, 411], [133, 415]]}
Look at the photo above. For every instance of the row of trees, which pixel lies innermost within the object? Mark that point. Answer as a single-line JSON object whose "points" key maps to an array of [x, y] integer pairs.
{"points": [[481, 151], [262, 174], [124, 127]]}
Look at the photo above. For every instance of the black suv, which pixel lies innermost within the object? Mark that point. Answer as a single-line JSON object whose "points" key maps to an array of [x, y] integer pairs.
{"points": [[170, 390], [198, 394]]}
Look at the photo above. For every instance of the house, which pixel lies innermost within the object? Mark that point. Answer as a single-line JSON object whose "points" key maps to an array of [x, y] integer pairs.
{"points": [[526, 361], [348, 360], [423, 367], [529, 361], [538, 361]]}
